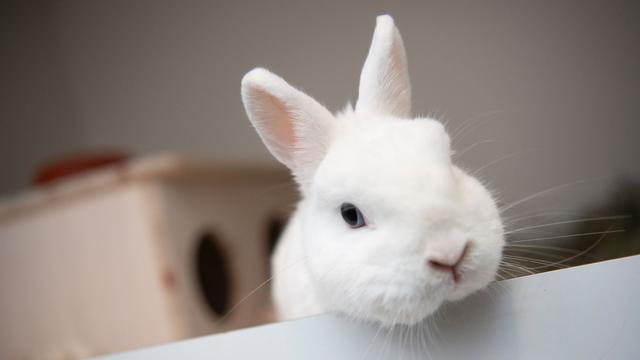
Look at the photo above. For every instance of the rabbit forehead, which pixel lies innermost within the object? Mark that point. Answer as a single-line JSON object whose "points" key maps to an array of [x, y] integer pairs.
{"points": [[389, 136], [387, 157]]}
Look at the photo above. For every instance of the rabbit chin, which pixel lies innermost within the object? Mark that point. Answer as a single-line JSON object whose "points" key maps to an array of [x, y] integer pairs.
{"points": [[397, 308], [407, 305]]}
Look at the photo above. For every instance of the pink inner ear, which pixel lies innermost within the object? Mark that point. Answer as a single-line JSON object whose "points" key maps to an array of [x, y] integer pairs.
{"points": [[283, 126], [275, 125]]}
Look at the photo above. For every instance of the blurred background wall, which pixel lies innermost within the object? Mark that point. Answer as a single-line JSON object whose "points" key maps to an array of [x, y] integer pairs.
{"points": [[553, 85]]}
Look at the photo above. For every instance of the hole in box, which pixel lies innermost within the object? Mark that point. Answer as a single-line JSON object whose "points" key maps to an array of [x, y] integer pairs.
{"points": [[214, 277]]}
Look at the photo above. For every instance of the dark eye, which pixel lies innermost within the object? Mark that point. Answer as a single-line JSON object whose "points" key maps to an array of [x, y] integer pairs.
{"points": [[352, 215]]}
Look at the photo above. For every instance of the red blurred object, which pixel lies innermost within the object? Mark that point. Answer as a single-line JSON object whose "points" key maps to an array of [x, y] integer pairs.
{"points": [[74, 165]]}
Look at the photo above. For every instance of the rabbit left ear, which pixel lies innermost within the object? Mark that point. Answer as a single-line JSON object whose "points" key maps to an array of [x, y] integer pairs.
{"points": [[384, 81], [293, 126]]}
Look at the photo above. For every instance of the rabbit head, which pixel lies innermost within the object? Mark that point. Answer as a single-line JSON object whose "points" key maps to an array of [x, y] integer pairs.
{"points": [[390, 228]]}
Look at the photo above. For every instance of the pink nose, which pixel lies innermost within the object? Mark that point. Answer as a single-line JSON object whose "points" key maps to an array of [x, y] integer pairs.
{"points": [[440, 264]]}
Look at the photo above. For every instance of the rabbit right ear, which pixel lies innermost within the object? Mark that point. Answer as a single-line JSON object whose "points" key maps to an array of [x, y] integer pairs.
{"points": [[384, 82], [294, 127]]}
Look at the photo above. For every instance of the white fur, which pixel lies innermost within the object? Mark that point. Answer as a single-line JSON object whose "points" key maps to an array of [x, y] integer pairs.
{"points": [[398, 172]]}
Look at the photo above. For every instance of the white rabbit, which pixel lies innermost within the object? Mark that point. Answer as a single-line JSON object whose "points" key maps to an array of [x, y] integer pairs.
{"points": [[387, 228]]}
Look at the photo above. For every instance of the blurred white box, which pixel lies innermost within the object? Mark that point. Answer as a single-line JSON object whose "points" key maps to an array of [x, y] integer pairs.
{"points": [[136, 255]]}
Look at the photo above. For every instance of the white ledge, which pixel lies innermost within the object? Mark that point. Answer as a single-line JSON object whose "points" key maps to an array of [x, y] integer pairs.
{"points": [[586, 312]]}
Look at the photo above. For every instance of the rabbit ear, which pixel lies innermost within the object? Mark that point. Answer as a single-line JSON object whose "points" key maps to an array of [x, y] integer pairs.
{"points": [[293, 126], [384, 82]]}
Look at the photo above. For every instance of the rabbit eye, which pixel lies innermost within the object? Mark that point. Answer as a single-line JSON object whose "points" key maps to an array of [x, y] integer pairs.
{"points": [[352, 215]]}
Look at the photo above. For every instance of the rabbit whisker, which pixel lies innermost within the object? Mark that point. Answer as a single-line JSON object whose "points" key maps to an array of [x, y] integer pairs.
{"points": [[600, 218], [570, 235], [536, 214], [546, 191], [252, 292], [371, 342], [542, 247], [525, 251], [459, 133], [471, 147], [496, 161], [532, 261], [591, 247], [516, 267]]}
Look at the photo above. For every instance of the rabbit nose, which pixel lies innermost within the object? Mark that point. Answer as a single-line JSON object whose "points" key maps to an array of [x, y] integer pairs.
{"points": [[449, 264]]}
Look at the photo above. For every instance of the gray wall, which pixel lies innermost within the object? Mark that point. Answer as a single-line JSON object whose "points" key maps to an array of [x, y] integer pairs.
{"points": [[553, 82]]}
